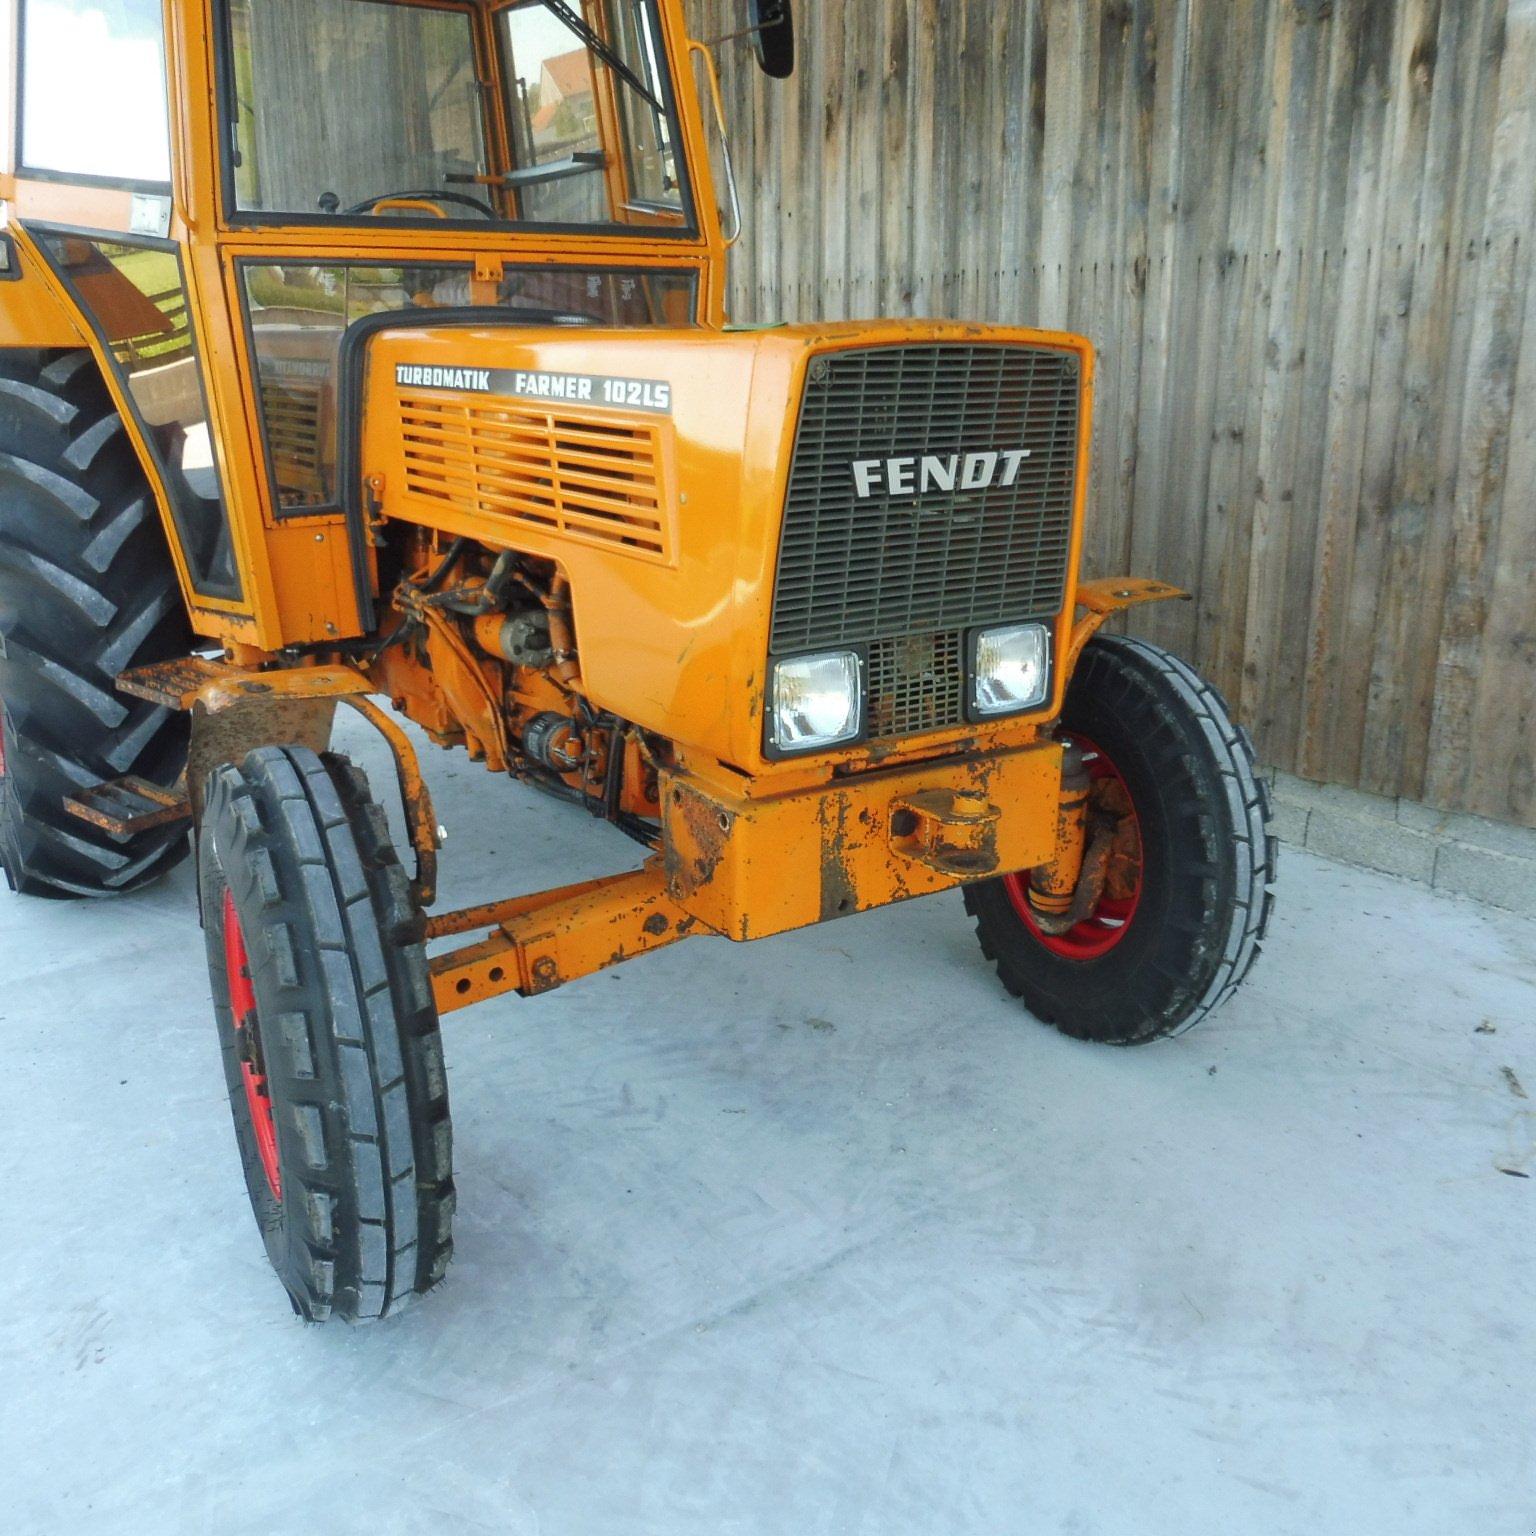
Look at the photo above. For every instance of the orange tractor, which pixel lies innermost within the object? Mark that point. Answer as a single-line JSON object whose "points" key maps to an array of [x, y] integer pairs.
{"points": [[379, 353]]}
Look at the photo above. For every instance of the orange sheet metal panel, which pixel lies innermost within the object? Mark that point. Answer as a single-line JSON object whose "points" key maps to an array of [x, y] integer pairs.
{"points": [[652, 467], [30, 316], [311, 566], [753, 866]]}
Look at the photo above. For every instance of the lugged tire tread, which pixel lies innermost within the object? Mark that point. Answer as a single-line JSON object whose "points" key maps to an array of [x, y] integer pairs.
{"points": [[87, 590]]}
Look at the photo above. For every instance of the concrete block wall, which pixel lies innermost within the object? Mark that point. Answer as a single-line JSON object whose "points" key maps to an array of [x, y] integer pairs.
{"points": [[1490, 861]]}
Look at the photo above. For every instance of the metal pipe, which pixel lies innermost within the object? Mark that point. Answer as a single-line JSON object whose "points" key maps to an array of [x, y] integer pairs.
{"points": [[562, 637]]}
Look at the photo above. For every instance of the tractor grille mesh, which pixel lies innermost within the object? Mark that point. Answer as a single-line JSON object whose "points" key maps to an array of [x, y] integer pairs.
{"points": [[916, 683], [594, 480], [906, 573]]}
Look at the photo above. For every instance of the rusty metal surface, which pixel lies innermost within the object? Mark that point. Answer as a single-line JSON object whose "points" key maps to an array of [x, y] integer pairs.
{"points": [[230, 686], [130, 805], [1109, 865], [1111, 802], [492, 914], [1052, 883], [545, 940], [1101, 600], [416, 799], [236, 711], [753, 866], [227, 733], [1052, 914], [953, 831], [172, 684]]}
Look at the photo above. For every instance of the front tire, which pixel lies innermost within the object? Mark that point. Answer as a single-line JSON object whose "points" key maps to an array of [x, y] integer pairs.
{"points": [[1181, 920], [332, 1052]]}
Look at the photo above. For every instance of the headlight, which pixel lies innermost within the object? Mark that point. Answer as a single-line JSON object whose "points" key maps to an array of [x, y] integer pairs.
{"points": [[817, 701], [1011, 669]]}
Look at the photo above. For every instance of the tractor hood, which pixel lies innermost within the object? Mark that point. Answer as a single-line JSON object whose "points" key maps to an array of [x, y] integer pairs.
{"points": [[654, 467]]}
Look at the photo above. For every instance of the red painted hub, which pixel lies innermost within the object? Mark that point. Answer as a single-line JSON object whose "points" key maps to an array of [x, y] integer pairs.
{"points": [[1110, 921], [242, 1002]]}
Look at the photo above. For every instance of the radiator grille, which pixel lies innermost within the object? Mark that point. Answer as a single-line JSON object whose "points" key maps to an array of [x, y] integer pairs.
{"points": [[916, 683], [592, 480], [907, 572]]}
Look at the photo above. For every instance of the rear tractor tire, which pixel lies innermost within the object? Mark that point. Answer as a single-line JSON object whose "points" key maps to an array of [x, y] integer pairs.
{"points": [[87, 590], [332, 1052], [1188, 901]]}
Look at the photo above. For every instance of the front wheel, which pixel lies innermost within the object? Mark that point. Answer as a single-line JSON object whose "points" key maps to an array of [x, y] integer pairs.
{"points": [[1187, 898], [332, 1052]]}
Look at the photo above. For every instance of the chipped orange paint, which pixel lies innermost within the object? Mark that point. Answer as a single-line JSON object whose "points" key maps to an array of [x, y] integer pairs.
{"points": [[541, 942], [1103, 599], [752, 865]]}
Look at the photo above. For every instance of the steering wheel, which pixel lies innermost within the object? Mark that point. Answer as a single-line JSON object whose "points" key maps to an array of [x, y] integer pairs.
{"points": [[368, 204]]}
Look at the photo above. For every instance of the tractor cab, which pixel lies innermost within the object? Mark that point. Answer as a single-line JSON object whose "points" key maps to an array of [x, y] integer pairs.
{"points": [[486, 131], [361, 157]]}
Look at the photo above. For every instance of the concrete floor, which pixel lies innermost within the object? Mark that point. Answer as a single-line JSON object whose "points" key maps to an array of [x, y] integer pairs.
{"points": [[815, 1235]]}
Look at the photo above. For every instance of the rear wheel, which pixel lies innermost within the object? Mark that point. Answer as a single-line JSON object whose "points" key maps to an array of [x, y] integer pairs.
{"points": [[1187, 898], [332, 1052], [87, 590]]}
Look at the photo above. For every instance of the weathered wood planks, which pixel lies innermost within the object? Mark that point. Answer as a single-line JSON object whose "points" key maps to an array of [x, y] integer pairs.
{"points": [[1301, 235]]}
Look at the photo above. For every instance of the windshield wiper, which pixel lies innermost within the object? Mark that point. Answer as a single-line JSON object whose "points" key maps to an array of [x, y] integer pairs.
{"points": [[599, 47]]}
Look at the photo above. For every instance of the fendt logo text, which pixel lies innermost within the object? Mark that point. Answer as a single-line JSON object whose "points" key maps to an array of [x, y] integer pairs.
{"points": [[918, 475]]}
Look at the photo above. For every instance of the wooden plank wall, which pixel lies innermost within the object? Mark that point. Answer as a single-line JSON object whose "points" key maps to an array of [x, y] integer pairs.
{"points": [[1301, 234]]}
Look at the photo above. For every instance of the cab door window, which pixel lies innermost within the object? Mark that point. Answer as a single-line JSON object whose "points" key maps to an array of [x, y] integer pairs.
{"points": [[572, 97], [136, 298], [93, 99]]}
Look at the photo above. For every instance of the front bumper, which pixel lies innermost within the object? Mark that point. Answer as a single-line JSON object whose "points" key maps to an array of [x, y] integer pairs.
{"points": [[752, 864]]}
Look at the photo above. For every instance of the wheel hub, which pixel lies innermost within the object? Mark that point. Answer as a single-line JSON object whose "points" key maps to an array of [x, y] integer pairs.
{"points": [[242, 1003], [1109, 920]]}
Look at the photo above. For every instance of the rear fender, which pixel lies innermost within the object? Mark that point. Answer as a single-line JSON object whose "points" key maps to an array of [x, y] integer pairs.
{"points": [[30, 315]]}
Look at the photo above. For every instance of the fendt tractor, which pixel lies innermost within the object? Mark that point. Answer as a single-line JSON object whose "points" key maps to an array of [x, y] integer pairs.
{"points": [[376, 350]]}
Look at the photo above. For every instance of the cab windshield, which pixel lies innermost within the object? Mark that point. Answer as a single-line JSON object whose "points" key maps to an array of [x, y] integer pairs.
{"points": [[551, 112]]}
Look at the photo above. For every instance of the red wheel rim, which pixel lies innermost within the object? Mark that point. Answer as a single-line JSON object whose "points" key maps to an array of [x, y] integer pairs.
{"points": [[1110, 921], [242, 1002]]}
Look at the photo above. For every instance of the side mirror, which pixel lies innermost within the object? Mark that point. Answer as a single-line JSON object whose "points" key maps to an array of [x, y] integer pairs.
{"points": [[773, 36]]}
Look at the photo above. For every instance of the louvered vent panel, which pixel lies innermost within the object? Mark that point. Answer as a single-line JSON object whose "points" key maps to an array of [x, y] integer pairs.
{"points": [[927, 563], [291, 409], [591, 480]]}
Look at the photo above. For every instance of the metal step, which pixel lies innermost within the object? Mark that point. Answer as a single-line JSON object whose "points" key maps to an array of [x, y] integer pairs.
{"points": [[173, 684], [130, 805]]}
